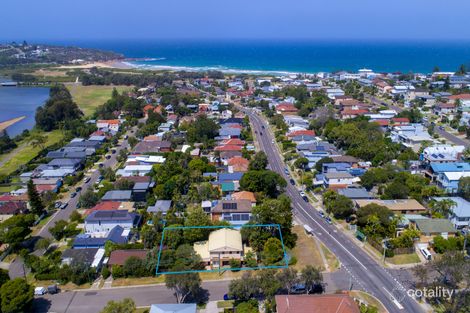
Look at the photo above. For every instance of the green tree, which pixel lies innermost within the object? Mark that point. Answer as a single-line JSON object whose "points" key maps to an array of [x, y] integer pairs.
{"points": [[340, 206], [63, 229], [15, 229], [183, 285], [127, 305], [42, 244], [259, 162], [37, 140], [301, 163], [17, 296], [311, 277], [244, 288], [266, 181], [287, 278], [202, 130], [247, 307], [464, 187], [88, 199], [272, 253], [196, 217], [4, 277], [35, 201], [442, 208]]}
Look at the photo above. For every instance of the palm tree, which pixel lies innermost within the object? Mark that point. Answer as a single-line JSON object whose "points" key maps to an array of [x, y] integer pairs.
{"points": [[442, 207]]}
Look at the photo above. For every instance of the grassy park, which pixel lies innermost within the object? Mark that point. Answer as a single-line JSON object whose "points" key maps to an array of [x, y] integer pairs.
{"points": [[90, 97], [25, 152]]}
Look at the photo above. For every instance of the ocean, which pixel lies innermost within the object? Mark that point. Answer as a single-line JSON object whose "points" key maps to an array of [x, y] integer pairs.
{"points": [[290, 56], [19, 101]]}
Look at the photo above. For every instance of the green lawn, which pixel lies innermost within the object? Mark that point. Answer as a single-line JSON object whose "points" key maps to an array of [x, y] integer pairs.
{"points": [[25, 153], [404, 259], [90, 97]]}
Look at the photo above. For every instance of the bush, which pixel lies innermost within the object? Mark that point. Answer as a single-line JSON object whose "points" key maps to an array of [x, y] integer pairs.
{"points": [[105, 272], [235, 264], [389, 253], [117, 271], [293, 260]]}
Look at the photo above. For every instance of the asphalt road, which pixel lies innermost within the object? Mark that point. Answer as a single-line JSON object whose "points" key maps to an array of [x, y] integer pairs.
{"points": [[456, 140], [17, 268], [92, 301], [365, 273]]}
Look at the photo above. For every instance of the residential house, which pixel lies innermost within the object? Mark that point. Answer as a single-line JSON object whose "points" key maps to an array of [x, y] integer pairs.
{"points": [[144, 147], [91, 257], [429, 228], [441, 154], [162, 206], [104, 221], [238, 164], [118, 195], [236, 212], [460, 216], [222, 246], [443, 108], [355, 193], [244, 195], [286, 108], [117, 235], [139, 191], [399, 206], [111, 125], [435, 169], [449, 181], [336, 180]]}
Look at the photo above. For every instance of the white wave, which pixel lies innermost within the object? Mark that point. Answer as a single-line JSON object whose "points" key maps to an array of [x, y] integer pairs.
{"points": [[220, 68]]}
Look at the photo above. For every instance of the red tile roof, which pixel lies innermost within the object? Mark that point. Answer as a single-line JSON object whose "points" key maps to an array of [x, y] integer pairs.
{"points": [[354, 112], [228, 148], [234, 142], [381, 122], [401, 120], [12, 207], [301, 133], [286, 107], [104, 206], [238, 160], [337, 303], [119, 257], [464, 96]]}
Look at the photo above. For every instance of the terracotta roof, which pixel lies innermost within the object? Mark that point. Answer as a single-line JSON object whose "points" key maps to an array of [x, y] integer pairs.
{"points": [[137, 179], [104, 206], [443, 105], [148, 107], [301, 133], [238, 160], [108, 121], [464, 96], [119, 257], [152, 138], [401, 120], [244, 195], [7, 197], [334, 303], [234, 141], [286, 107], [44, 188], [354, 112], [228, 148], [381, 122]]}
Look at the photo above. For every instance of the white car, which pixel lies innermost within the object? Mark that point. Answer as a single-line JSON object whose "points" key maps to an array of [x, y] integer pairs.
{"points": [[302, 194]]}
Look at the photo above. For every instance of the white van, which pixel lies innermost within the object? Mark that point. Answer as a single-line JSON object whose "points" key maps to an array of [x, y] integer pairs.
{"points": [[308, 229], [425, 252]]}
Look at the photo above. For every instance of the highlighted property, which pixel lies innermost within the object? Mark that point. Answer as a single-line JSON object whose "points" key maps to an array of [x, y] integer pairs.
{"points": [[234, 247]]}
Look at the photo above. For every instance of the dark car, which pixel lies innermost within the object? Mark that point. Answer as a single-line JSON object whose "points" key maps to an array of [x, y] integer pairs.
{"points": [[73, 194], [260, 133], [64, 205], [292, 182], [78, 189], [52, 289], [227, 297], [262, 126]]}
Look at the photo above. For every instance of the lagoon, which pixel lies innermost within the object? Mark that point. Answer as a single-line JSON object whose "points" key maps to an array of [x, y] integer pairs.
{"points": [[21, 101]]}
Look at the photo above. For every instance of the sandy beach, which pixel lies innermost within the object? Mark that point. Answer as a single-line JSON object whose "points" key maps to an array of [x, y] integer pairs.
{"points": [[4, 125], [120, 64]]}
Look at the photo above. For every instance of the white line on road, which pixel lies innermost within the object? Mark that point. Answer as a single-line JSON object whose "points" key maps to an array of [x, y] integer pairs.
{"points": [[399, 306]]}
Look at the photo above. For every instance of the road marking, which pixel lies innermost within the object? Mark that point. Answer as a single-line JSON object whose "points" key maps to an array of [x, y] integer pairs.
{"points": [[399, 306]]}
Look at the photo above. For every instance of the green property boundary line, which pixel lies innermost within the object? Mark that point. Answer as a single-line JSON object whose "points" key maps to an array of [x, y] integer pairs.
{"points": [[285, 259]]}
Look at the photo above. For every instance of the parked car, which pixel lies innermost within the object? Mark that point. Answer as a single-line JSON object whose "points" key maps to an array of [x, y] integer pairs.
{"points": [[87, 179], [73, 194], [262, 126], [78, 189], [321, 213], [260, 133], [108, 156], [298, 288], [292, 182], [57, 204], [40, 291], [286, 171], [329, 221], [52, 289], [113, 151], [64, 205]]}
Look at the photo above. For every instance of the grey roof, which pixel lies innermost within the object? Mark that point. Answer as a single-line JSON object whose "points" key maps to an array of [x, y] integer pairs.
{"points": [[151, 146], [160, 206], [141, 186], [80, 255], [355, 193], [232, 206], [112, 215], [334, 175], [114, 235], [115, 195], [64, 162], [437, 225]]}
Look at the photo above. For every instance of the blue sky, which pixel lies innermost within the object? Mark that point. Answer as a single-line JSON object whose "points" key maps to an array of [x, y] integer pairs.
{"points": [[295, 19]]}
